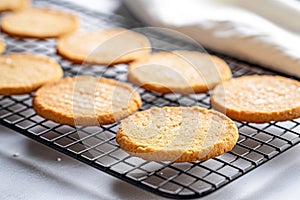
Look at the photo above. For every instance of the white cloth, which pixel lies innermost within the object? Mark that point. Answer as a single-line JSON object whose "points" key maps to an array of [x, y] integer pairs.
{"points": [[266, 32]]}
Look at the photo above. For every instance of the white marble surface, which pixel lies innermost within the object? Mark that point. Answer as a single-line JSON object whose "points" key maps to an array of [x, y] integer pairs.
{"points": [[36, 174]]}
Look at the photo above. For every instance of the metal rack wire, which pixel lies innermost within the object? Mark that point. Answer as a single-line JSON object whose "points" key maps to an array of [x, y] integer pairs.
{"points": [[96, 146]]}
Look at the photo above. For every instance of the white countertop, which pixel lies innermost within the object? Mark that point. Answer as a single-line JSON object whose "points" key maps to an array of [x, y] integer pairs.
{"points": [[29, 170], [36, 174]]}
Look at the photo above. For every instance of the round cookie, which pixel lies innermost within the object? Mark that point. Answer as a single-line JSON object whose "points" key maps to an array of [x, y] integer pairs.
{"points": [[14, 5], [258, 99], [23, 73], [2, 46], [177, 134], [104, 46], [184, 72], [39, 23], [86, 101]]}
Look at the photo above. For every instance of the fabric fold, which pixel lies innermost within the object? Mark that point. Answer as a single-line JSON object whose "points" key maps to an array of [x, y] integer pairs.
{"points": [[262, 32]]}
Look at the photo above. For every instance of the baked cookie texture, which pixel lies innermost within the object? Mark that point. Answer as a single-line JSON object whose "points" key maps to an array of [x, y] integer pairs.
{"points": [[2, 46], [39, 23], [86, 101], [184, 72], [14, 5], [23, 73], [177, 134], [107, 47], [258, 99]]}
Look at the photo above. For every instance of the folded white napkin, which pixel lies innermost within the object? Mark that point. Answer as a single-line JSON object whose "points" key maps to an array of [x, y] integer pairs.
{"points": [[265, 32]]}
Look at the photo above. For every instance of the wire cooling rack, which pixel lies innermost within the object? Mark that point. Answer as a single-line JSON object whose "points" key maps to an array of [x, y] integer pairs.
{"points": [[96, 145]]}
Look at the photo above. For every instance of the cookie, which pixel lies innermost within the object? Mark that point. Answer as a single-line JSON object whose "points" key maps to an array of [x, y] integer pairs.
{"points": [[104, 46], [2, 46], [177, 134], [23, 73], [39, 23], [14, 5], [86, 101], [184, 72], [258, 99]]}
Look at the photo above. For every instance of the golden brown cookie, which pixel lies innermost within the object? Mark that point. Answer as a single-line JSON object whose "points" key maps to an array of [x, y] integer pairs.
{"points": [[179, 134], [258, 99], [39, 23], [2, 46], [14, 5], [23, 73], [183, 72], [86, 101], [104, 46]]}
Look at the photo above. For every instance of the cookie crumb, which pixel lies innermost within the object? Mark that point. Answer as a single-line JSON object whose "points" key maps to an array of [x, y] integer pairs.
{"points": [[8, 61], [15, 155]]}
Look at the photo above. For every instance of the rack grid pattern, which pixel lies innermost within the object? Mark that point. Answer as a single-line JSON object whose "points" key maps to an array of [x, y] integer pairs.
{"points": [[96, 146]]}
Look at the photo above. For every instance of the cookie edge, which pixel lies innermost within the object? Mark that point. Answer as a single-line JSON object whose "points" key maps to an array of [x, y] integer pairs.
{"points": [[60, 49], [67, 119], [151, 154], [41, 36], [166, 90], [257, 117], [7, 91]]}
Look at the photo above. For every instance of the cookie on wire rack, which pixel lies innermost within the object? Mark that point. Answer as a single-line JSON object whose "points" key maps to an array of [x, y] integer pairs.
{"points": [[23, 73], [184, 72], [14, 5], [2, 46], [258, 99], [39, 23], [86, 101], [177, 134], [107, 47]]}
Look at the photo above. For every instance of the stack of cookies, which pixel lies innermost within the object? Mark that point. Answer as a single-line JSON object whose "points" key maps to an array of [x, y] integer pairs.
{"points": [[177, 134]]}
